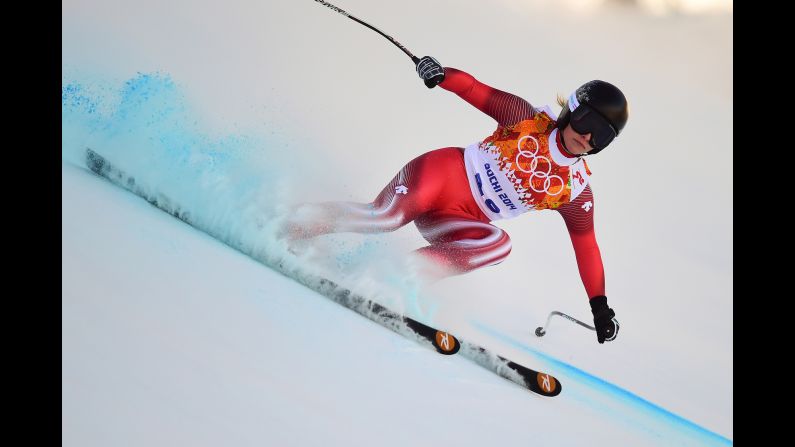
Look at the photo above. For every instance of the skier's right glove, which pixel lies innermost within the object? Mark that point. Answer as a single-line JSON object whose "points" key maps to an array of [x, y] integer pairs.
{"points": [[430, 71], [604, 319]]}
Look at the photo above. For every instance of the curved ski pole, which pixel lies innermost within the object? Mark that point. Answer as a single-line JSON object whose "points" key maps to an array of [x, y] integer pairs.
{"points": [[540, 331]]}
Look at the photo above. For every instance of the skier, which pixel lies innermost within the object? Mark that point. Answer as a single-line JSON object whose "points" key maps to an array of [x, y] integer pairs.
{"points": [[532, 161]]}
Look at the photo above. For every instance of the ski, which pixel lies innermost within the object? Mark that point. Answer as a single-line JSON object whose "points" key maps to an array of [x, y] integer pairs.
{"points": [[443, 342]]}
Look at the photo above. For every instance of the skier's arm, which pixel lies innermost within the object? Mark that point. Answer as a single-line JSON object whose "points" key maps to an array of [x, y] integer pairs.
{"points": [[505, 108], [578, 215]]}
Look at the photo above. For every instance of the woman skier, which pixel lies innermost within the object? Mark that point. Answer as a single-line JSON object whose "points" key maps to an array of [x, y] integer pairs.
{"points": [[532, 161]]}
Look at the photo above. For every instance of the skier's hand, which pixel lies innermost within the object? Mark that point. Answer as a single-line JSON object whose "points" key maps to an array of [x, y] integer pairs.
{"points": [[430, 71], [604, 319]]}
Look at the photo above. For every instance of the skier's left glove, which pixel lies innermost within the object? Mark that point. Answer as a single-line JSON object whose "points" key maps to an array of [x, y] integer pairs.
{"points": [[604, 319], [431, 71]]}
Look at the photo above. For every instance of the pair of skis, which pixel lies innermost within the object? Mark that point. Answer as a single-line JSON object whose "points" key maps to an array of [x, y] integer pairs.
{"points": [[443, 342]]}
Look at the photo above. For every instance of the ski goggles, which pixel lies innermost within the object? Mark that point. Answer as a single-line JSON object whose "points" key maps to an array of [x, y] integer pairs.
{"points": [[585, 119]]}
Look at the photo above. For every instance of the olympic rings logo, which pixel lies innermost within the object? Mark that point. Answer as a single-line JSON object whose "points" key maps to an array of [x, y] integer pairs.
{"points": [[533, 170]]}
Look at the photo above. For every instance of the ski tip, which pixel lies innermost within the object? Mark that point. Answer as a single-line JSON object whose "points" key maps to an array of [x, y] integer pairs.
{"points": [[94, 161], [446, 343]]}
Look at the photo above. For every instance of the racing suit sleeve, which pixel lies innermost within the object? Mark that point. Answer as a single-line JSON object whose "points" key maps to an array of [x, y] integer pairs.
{"points": [[505, 108], [578, 215]]}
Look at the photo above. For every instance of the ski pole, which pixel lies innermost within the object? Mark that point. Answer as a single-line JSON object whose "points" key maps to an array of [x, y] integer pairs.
{"points": [[414, 58], [540, 331]]}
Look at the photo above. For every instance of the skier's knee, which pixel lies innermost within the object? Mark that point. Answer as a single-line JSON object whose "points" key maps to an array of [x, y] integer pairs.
{"points": [[375, 220]]}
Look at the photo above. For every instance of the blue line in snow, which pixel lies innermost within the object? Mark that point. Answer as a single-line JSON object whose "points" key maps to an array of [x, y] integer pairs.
{"points": [[603, 385]]}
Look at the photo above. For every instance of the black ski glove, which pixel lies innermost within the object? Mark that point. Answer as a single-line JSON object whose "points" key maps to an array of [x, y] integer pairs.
{"points": [[603, 319], [430, 71]]}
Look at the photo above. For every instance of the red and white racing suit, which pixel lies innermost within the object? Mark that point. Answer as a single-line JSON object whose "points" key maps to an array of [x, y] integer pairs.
{"points": [[453, 194]]}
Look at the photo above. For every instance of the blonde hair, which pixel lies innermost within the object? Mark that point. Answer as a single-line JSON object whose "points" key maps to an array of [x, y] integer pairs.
{"points": [[562, 100]]}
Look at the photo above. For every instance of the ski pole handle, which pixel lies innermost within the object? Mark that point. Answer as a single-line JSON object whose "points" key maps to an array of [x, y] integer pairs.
{"points": [[414, 58]]}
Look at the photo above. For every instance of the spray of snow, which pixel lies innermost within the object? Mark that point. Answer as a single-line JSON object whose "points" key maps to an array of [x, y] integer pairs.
{"points": [[237, 187]]}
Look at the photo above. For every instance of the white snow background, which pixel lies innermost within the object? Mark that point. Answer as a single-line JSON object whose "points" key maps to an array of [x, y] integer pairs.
{"points": [[238, 109]]}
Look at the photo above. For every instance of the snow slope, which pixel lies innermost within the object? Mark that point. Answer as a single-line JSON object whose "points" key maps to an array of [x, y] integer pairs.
{"points": [[172, 338]]}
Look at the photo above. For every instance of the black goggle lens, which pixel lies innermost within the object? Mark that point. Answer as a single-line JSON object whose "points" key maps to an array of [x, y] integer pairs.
{"points": [[586, 120]]}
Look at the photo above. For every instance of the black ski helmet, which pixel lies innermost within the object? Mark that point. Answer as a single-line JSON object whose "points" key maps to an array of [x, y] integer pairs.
{"points": [[602, 97]]}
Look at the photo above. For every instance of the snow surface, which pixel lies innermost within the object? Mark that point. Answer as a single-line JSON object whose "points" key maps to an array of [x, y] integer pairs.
{"points": [[235, 111]]}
